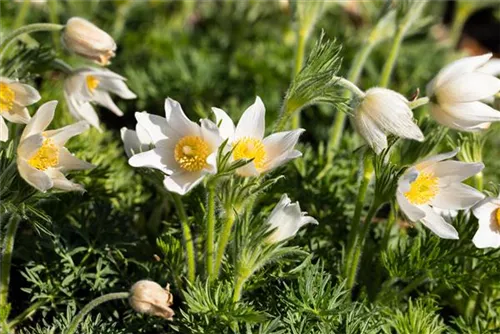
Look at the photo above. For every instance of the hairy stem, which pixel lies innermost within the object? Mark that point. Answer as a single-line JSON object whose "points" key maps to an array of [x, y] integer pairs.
{"points": [[8, 247], [26, 313], [299, 62], [26, 30], [188, 238], [209, 247], [419, 102], [238, 288], [224, 239]]}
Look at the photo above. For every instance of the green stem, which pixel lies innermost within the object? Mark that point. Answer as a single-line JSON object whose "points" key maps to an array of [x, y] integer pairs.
{"points": [[351, 87], [419, 102], [462, 13], [21, 14], [299, 62], [54, 19], [62, 66], [210, 230], [27, 30], [412, 286], [8, 247], [188, 238], [391, 59], [224, 239], [238, 288], [26, 313], [73, 326]]}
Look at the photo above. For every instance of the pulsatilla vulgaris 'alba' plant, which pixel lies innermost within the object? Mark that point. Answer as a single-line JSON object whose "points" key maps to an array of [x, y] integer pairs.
{"points": [[382, 111], [488, 214], [42, 158], [183, 150], [456, 92], [150, 298], [435, 183], [94, 85], [14, 97], [135, 141], [87, 40], [248, 142], [286, 219]]}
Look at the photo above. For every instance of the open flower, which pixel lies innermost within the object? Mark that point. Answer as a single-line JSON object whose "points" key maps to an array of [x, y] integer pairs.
{"points": [[286, 219], [87, 40], [184, 150], [14, 97], [488, 214], [248, 142], [381, 112], [136, 141], [42, 158], [436, 183], [150, 298], [94, 85], [456, 92]]}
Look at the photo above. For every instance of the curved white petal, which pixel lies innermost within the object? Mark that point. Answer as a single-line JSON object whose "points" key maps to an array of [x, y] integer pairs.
{"points": [[472, 112], [82, 110], [454, 171], [62, 135], [210, 134], [280, 160], [411, 211], [132, 143], [248, 170], [437, 224], [468, 87], [156, 126], [460, 67], [178, 121], [18, 114], [29, 146], [457, 196], [444, 118], [25, 95], [432, 160], [104, 99], [40, 120], [33, 176], [486, 237], [492, 67], [61, 182], [224, 122], [252, 122], [68, 161], [116, 86], [374, 137], [485, 208], [182, 182], [4, 130], [279, 143], [153, 159]]}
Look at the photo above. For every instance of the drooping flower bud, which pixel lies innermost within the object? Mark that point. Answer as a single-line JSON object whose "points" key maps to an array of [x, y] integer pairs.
{"points": [[87, 40], [150, 298]]}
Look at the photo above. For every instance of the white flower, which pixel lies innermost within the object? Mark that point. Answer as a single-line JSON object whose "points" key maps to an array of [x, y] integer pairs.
{"points": [[248, 142], [94, 85], [435, 183], [14, 97], [184, 150], [136, 141], [488, 214], [286, 219], [87, 40], [456, 92], [381, 112], [42, 158]]}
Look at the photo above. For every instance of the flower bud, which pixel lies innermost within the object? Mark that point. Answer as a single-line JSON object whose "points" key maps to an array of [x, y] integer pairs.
{"points": [[150, 298], [87, 40]]}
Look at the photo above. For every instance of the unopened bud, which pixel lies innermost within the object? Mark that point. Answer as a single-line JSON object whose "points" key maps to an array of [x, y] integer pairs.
{"points": [[150, 298], [87, 40]]}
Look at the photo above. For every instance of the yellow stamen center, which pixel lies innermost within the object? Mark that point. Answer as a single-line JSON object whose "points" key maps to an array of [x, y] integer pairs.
{"points": [[250, 148], [46, 156], [92, 82], [7, 96], [497, 217], [423, 189], [191, 153]]}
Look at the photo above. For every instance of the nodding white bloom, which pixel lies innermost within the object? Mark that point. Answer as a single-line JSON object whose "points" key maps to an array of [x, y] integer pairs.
{"points": [[248, 142], [136, 141], [14, 97], [87, 40], [436, 183], [94, 85], [381, 112], [42, 158], [184, 150], [150, 298], [456, 92], [286, 219], [488, 214]]}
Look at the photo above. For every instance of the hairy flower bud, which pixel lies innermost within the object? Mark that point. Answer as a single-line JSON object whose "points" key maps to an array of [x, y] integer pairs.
{"points": [[87, 40], [150, 298]]}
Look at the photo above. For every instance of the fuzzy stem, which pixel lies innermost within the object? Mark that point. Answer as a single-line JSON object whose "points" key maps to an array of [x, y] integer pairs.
{"points": [[418, 102], [210, 231], [299, 62], [26, 30], [188, 238], [73, 326], [26, 313], [238, 287], [391, 59], [224, 239], [7, 250], [351, 87]]}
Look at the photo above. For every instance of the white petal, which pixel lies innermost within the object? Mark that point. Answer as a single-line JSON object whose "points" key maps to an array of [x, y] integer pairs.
{"points": [[29, 146], [370, 132], [156, 126], [116, 86], [492, 67], [155, 158], [68, 161], [472, 112], [485, 237], [82, 110], [252, 122], [210, 134], [411, 211], [281, 142], [457, 196], [104, 99], [177, 120], [444, 118], [182, 182], [460, 67], [33, 176], [437, 224], [62, 135], [224, 122], [454, 171], [485, 208], [131, 142], [248, 170], [4, 130], [25, 94], [18, 114], [468, 87], [280, 160], [40, 120], [61, 182]]}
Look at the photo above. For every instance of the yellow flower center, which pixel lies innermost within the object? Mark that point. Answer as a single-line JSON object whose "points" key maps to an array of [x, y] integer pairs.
{"points": [[497, 216], [46, 156], [191, 153], [7, 97], [250, 148], [92, 82], [423, 189]]}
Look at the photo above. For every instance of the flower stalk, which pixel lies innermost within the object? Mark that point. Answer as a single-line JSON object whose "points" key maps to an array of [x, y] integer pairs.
{"points": [[210, 230], [8, 247], [224, 240], [299, 62], [35, 27], [188, 238]]}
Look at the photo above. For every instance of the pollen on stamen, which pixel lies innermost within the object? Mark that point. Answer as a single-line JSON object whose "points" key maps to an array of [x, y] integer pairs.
{"points": [[47, 156], [92, 83], [251, 148], [191, 153], [423, 189], [7, 96]]}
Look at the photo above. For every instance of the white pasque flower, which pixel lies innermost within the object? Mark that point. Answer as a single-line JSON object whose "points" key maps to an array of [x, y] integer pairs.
{"points": [[184, 150], [87, 40], [381, 112], [136, 141], [94, 85], [435, 183], [42, 158], [14, 97], [456, 92], [488, 214], [248, 142], [286, 219]]}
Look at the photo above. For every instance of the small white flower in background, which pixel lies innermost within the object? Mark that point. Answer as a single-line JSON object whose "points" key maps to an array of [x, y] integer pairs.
{"points": [[42, 158], [436, 183], [94, 85], [136, 141], [382, 112], [87, 40], [150, 298], [488, 214], [286, 219], [14, 97], [456, 92], [184, 150], [248, 142]]}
